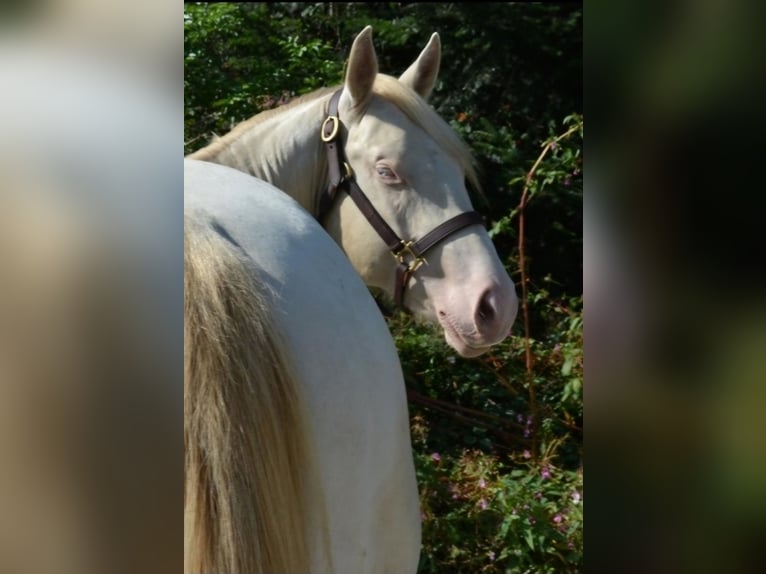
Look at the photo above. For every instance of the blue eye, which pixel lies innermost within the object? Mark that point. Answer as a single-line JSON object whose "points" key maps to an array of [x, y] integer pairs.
{"points": [[385, 172]]}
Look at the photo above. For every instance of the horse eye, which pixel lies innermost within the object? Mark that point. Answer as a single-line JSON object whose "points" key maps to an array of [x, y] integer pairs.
{"points": [[386, 172]]}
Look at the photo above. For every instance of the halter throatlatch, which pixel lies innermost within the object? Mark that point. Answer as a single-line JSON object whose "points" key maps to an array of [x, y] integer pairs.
{"points": [[408, 254]]}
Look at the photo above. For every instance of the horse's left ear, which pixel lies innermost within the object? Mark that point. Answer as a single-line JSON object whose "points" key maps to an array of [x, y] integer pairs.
{"points": [[421, 75]]}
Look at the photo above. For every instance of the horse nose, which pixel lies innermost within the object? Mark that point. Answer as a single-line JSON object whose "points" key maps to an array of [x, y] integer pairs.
{"points": [[495, 313]]}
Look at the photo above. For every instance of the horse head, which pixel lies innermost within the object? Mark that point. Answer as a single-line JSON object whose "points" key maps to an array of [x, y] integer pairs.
{"points": [[413, 168]]}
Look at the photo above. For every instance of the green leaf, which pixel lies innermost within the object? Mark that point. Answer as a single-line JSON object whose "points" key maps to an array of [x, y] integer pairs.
{"points": [[530, 540], [566, 368]]}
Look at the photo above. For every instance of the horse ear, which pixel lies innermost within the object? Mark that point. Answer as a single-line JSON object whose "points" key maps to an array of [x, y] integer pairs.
{"points": [[362, 67], [421, 75]]}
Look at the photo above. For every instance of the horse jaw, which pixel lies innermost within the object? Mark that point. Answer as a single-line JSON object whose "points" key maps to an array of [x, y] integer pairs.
{"points": [[454, 340], [467, 292]]}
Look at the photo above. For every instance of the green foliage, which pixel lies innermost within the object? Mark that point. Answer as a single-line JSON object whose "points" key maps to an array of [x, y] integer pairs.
{"points": [[505, 494], [240, 59], [486, 402], [511, 424], [484, 516], [511, 85]]}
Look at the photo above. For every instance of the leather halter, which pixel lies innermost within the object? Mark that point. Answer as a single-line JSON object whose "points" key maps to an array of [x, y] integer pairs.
{"points": [[408, 254]]}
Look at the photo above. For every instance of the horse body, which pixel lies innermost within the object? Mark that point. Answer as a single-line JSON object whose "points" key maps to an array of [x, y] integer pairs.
{"points": [[345, 363], [355, 509]]}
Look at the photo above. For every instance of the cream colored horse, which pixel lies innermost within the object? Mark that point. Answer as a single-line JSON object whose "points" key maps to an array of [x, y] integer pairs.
{"points": [[297, 447], [413, 168]]}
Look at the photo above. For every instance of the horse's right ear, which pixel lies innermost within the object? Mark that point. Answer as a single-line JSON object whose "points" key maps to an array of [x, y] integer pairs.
{"points": [[362, 68]]}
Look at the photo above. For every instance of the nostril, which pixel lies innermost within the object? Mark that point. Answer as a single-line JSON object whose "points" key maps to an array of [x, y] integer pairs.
{"points": [[485, 312]]}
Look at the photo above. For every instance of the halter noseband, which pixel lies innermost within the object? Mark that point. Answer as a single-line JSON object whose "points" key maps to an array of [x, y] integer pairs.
{"points": [[409, 254]]}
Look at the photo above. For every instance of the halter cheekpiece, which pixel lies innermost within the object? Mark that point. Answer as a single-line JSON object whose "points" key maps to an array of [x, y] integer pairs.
{"points": [[408, 254]]}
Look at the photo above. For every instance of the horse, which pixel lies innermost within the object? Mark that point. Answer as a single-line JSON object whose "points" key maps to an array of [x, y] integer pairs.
{"points": [[297, 446]]}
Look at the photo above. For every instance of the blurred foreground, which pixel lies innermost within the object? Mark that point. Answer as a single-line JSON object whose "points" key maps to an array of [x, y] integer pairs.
{"points": [[90, 288], [674, 288]]}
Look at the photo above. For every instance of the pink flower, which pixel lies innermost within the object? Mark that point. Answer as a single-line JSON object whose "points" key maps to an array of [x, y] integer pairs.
{"points": [[526, 454], [483, 504], [546, 473], [482, 484], [558, 518], [576, 497], [436, 456]]}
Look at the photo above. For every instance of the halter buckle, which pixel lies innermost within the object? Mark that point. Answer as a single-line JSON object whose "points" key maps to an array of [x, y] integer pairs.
{"points": [[415, 260], [335, 127]]}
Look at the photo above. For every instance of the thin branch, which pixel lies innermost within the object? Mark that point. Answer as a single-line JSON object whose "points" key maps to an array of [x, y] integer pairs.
{"points": [[419, 398], [458, 413], [528, 363]]}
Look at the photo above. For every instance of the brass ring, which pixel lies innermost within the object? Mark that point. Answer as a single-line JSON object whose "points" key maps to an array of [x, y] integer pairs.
{"points": [[335, 127]]}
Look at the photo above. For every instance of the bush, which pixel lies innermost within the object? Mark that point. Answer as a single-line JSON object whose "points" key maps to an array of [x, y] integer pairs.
{"points": [[480, 515], [498, 453], [498, 440]]}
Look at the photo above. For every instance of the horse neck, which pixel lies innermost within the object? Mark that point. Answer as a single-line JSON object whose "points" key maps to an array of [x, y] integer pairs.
{"points": [[284, 149]]}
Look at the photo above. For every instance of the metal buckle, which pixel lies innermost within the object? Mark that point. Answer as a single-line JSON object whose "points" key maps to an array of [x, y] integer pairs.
{"points": [[335, 128], [414, 262]]}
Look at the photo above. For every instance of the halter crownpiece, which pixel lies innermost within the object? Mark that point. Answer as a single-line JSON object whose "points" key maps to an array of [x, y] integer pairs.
{"points": [[409, 254]]}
